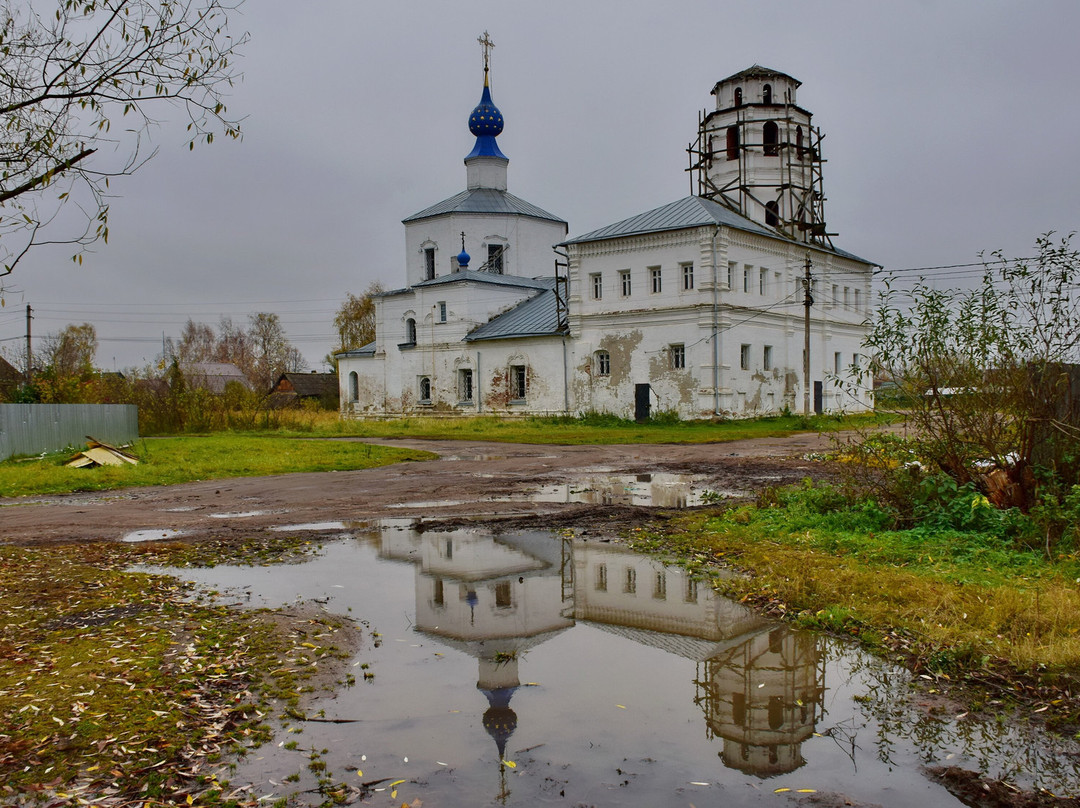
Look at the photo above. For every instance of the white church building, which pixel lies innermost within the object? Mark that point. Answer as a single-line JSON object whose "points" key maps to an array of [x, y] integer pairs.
{"points": [[698, 307]]}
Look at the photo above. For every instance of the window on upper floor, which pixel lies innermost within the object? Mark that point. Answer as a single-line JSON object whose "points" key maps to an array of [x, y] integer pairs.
{"points": [[770, 136], [733, 142], [624, 282], [495, 258], [596, 282], [429, 263], [738, 96], [763, 281], [799, 142], [766, 358], [747, 278], [766, 94], [857, 302], [410, 331], [838, 362], [441, 306], [731, 267], [656, 279], [744, 356], [602, 362], [687, 277]]}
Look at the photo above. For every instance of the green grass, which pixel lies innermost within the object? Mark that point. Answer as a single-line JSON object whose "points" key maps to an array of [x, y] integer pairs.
{"points": [[947, 599], [114, 682], [166, 461], [584, 430]]}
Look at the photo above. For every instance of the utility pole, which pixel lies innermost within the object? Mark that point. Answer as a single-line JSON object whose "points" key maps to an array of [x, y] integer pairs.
{"points": [[29, 360], [808, 301]]}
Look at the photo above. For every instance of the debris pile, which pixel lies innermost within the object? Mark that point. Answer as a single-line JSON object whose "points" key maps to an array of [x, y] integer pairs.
{"points": [[100, 454]]}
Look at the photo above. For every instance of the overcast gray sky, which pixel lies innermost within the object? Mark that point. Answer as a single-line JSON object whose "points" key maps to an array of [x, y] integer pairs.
{"points": [[951, 127]]}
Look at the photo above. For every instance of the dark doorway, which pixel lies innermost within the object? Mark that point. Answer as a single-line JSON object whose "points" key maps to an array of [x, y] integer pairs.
{"points": [[819, 397], [641, 402]]}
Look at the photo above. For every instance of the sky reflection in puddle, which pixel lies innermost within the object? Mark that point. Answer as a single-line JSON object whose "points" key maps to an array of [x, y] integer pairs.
{"points": [[152, 534], [659, 490], [605, 678]]}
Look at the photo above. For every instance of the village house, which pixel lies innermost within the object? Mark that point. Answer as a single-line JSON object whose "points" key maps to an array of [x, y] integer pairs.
{"points": [[696, 308]]}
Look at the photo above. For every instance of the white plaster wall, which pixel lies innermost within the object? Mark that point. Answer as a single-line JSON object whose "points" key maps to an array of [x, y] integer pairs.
{"points": [[529, 243], [638, 331]]}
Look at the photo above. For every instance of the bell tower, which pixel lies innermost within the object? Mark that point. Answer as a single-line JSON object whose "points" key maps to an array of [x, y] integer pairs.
{"points": [[758, 153]]}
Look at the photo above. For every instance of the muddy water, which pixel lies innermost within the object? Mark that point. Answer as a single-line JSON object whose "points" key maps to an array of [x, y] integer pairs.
{"points": [[527, 669]]}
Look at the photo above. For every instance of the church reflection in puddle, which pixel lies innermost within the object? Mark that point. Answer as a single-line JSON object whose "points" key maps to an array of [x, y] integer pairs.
{"points": [[602, 677], [759, 685]]}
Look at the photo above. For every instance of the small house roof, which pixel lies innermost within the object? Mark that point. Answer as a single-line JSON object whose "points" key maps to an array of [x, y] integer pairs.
{"points": [[310, 384]]}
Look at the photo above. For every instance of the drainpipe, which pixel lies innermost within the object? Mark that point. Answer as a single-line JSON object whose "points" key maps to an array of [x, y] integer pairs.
{"points": [[716, 325], [565, 379]]}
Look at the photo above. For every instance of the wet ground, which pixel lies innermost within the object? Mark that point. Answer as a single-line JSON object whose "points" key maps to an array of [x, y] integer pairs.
{"points": [[471, 479], [526, 668]]}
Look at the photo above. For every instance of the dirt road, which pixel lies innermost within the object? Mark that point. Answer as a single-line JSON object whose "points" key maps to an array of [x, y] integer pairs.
{"points": [[468, 479]]}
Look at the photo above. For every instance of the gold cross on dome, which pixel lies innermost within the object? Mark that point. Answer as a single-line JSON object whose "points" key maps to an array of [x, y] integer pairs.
{"points": [[487, 45]]}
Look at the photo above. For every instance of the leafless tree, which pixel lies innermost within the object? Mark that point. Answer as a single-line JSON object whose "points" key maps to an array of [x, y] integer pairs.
{"points": [[80, 84]]}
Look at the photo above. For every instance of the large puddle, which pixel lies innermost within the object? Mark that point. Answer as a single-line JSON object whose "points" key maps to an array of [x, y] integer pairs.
{"points": [[527, 669]]}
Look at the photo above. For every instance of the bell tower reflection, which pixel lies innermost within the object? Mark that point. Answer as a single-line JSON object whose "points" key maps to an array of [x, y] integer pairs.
{"points": [[763, 699]]}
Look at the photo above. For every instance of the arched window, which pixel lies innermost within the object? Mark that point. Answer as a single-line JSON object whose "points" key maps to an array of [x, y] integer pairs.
{"points": [[798, 142], [733, 143], [772, 214], [603, 363], [410, 331], [425, 390], [771, 138], [738, 96], [354, 386], [766, 94]]}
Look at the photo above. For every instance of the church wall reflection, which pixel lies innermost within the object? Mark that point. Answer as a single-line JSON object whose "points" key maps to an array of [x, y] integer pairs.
{"points": [[494, 597]]}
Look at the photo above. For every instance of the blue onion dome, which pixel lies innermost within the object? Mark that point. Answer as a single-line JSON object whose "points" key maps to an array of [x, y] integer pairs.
{"points": [[463, 259], [486, 118], [486, 122]]}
